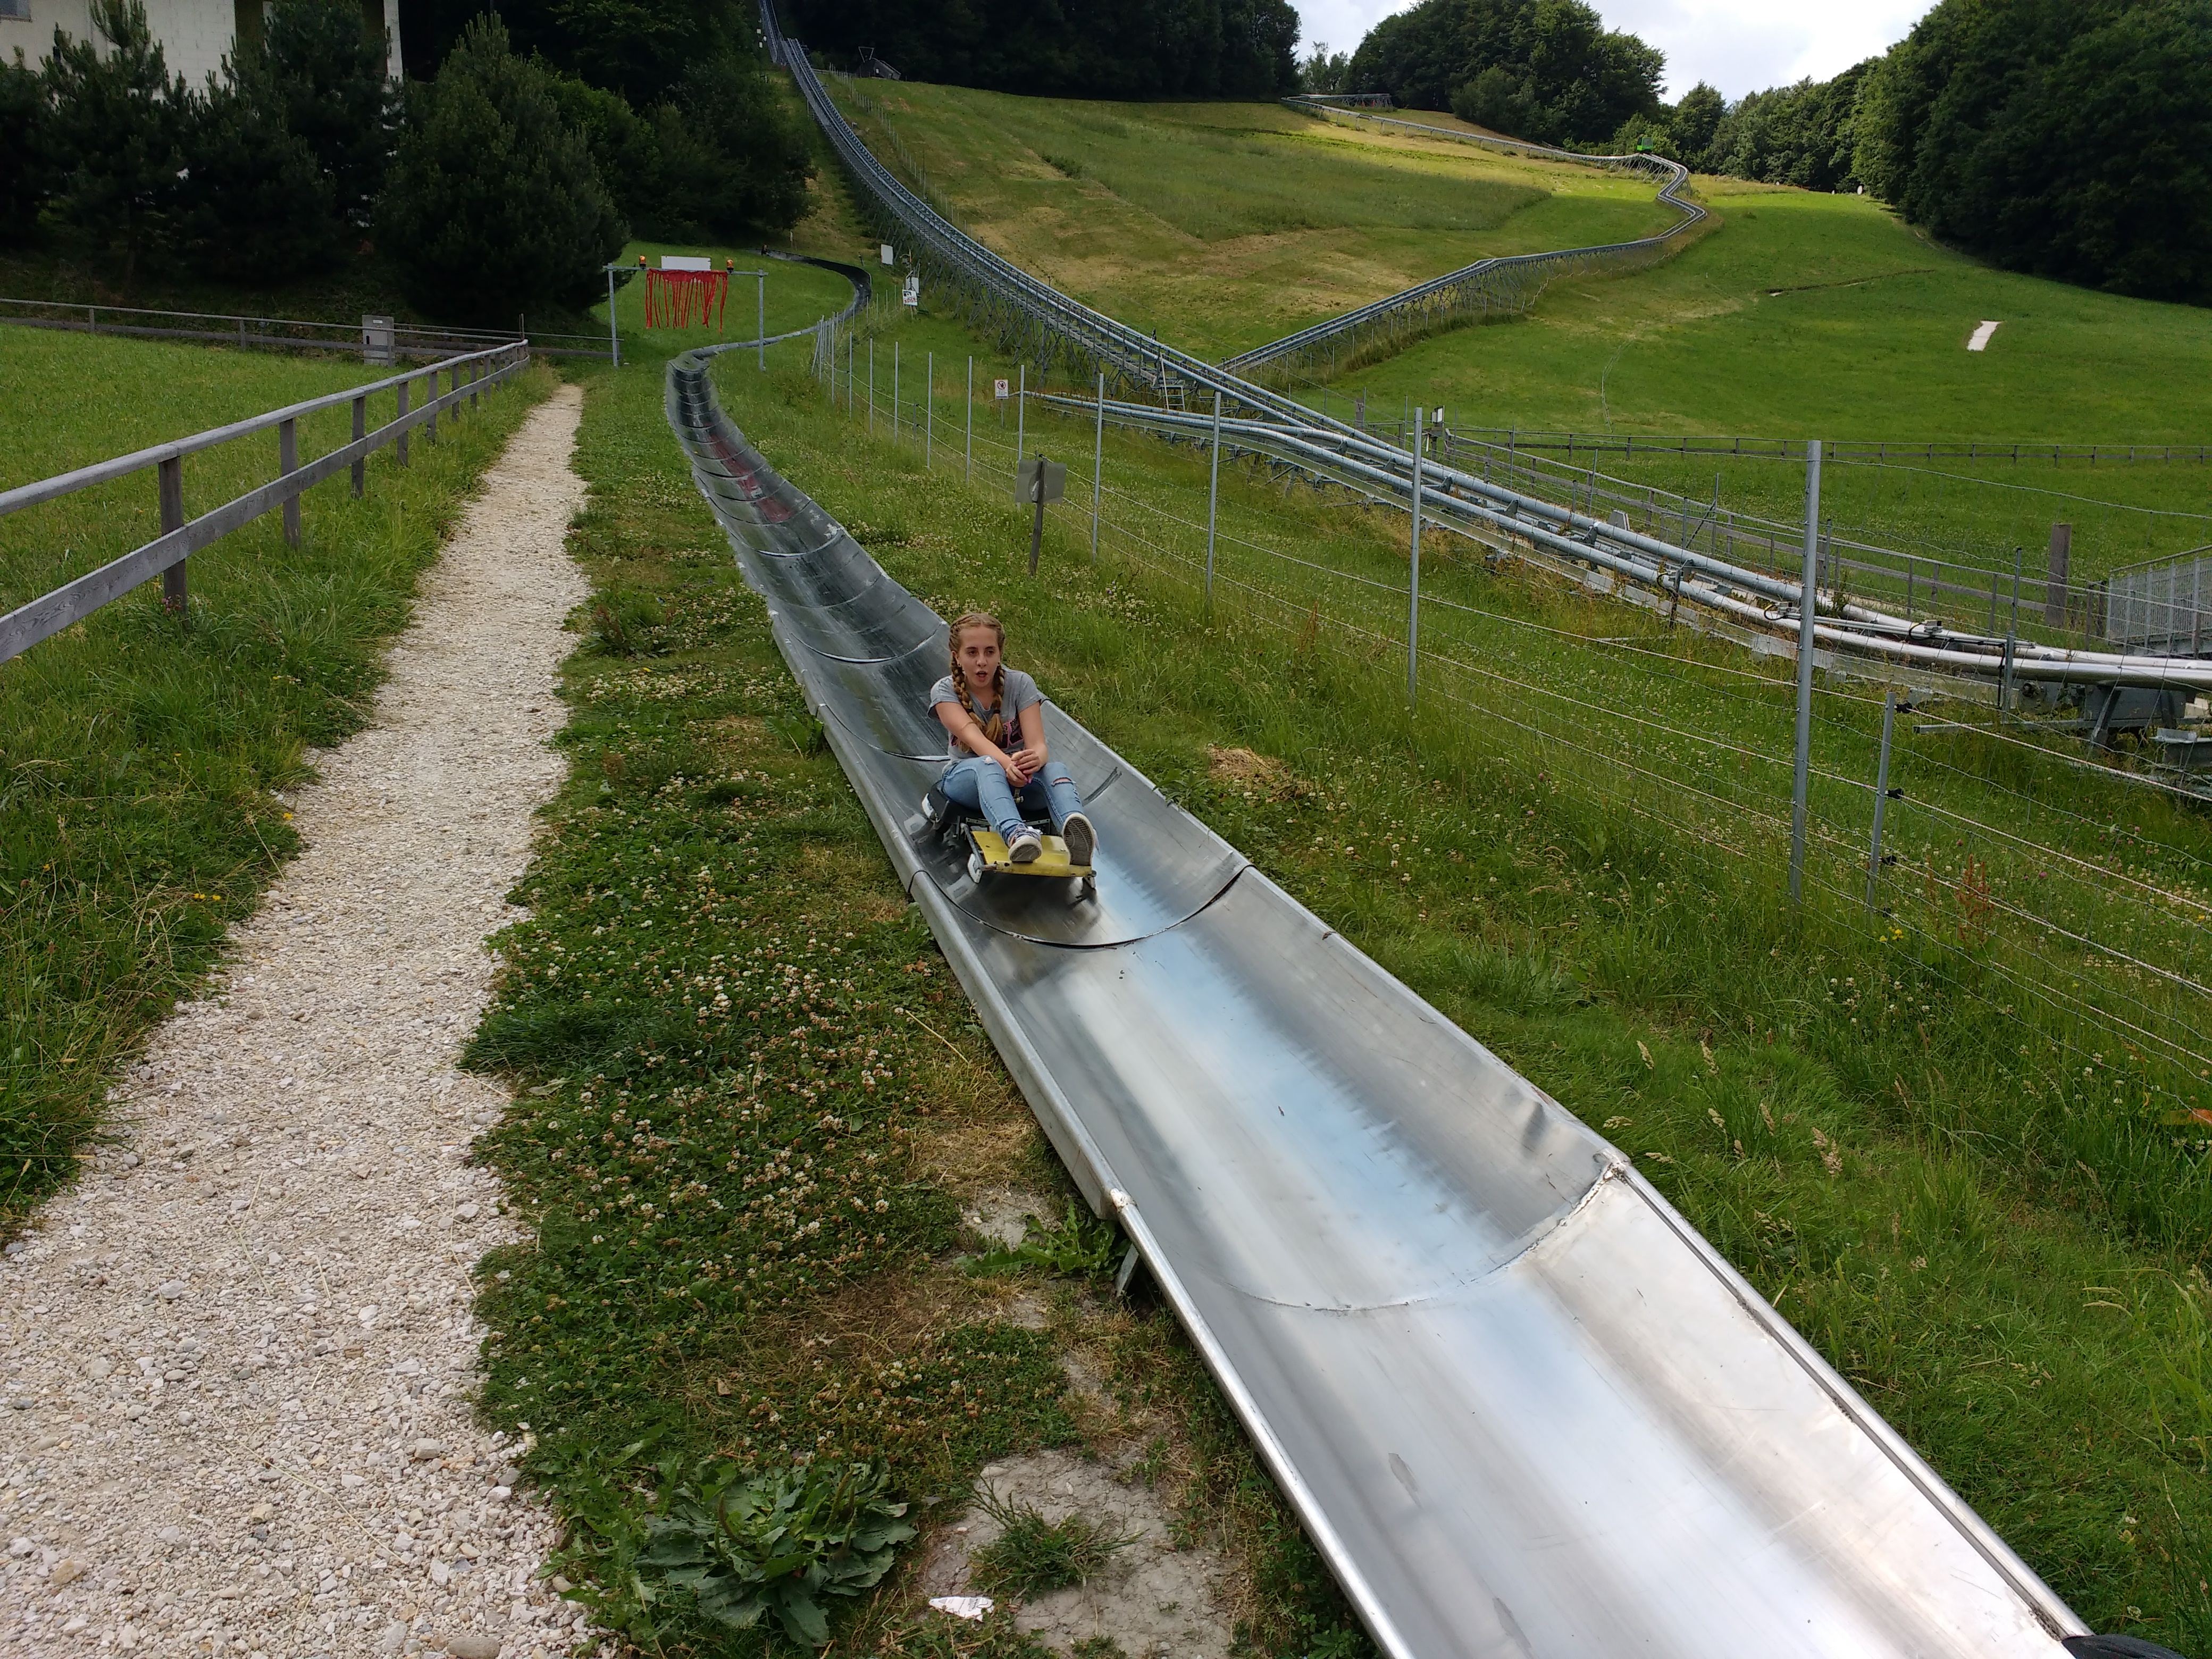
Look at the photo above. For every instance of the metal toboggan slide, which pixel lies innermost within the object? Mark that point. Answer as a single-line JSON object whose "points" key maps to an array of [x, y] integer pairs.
{"points": [[1524, 1410]]}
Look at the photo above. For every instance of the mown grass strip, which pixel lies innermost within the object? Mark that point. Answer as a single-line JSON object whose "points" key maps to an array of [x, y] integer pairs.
{"points": [[140, 757]]}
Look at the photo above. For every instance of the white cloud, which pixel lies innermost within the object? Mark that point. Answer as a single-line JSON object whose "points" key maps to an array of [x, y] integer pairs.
{"points": [[1740, 46]]}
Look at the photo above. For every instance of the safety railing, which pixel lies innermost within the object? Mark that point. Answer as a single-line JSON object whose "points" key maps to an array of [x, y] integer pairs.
{"points": [[467, 375], [1504, 286]]}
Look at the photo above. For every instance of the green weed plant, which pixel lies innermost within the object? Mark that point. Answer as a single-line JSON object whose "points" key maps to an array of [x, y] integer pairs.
{"points": [[1033, 1557]]}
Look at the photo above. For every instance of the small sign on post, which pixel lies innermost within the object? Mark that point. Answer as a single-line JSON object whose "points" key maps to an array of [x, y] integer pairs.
{"points": [[911, 292], [887, 252], [1028, 474], [1039, 481], [1000, 389]]}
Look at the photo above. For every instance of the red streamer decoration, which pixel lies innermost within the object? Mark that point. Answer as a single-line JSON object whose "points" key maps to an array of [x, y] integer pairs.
{"points": [[673, 298]]}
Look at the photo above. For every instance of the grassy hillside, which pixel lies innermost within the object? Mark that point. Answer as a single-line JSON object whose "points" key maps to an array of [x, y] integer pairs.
{"points": [[1600, 903], [1225, 225], [1801, 315], [1825, 314], [1883, 1136]]}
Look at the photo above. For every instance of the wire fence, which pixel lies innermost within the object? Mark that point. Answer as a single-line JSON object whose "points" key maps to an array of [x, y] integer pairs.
{"points": [[1998, 871]]}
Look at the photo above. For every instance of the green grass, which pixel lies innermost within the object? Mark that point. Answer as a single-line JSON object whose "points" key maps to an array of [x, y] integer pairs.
{"points": [[1801, 315], [1033, 1557], [1885, 1140], [1807, 314], [1225, 225], [67, 400], [139, 755]]}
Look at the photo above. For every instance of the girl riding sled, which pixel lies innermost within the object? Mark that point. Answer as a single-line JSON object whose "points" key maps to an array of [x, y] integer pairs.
{"points": [[986, 706]]}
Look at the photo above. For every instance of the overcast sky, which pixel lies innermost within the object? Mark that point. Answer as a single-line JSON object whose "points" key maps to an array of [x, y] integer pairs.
{"points": [[1740, 46]]}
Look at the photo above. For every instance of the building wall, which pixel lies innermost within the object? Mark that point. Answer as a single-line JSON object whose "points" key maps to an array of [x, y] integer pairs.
{"points": [[196, 35], [35, 36]]}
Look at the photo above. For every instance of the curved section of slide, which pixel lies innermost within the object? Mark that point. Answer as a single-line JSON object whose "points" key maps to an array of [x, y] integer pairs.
{"points": [[1523, 1409]]}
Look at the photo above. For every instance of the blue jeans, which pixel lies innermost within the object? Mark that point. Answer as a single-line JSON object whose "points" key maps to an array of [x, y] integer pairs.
{"points": [[981, 784]]}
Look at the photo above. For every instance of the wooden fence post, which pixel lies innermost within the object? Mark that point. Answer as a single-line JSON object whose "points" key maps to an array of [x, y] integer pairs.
{"points": [[360, 431], [402, 415], [430, 424], [171, 473], [287, 461]]}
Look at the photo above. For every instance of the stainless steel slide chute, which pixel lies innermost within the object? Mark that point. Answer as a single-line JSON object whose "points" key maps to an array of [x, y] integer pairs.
{"points": [[1523, 1408]]}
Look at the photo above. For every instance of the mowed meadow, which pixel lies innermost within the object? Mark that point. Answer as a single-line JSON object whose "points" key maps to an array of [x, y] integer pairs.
{"points": [[1226, 225]]}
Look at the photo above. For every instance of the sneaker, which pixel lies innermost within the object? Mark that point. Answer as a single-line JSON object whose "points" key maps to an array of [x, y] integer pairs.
{"points": [[1023, 846], [1082, 840]]}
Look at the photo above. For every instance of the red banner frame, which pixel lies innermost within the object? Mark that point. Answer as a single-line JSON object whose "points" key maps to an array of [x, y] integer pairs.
{"points": [[673, 298]]}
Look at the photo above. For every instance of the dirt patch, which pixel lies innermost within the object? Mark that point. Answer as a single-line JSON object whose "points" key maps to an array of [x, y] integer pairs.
{"points": [[1151, 1598], [1001, 1216], [1261, 774]]}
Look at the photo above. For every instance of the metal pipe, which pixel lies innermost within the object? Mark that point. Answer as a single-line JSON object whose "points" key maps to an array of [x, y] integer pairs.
{"points": [[1881, 793], [929, 412], [1802, 776], [1413, 584], [1097, 470], [1021, 414], [968, 453]]}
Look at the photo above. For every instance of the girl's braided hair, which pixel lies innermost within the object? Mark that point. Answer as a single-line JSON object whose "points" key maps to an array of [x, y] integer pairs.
{"points": [[995, 727]]}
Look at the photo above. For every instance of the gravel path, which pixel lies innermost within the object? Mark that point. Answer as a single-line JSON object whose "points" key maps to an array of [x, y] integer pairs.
{"points": [[237, 1359]]}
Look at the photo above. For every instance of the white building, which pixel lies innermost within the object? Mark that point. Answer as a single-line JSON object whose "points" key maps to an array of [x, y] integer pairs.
{"points": [[196, 35]]}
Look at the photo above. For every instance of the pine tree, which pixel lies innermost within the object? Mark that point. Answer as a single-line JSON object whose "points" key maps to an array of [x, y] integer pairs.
{"points": [[26, 170], [117, 127], [494, 206]]}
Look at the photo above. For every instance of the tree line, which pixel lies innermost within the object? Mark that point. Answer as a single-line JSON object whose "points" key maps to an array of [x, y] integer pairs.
{"points": [[2067, 138], [1065, 48], [504, 185]]}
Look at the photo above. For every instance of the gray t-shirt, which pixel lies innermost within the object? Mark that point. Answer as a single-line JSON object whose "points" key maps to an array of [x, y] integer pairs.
{"points": [[1020, 692]]}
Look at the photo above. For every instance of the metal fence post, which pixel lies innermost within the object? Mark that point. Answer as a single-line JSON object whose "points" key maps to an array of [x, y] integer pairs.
{"points": [[968, 459], [1881, 793], [872, 386], [894, 389], [1808, 609], [360, 431], [171, 478], [929, 412], [1212, 501], [614, 333], [848, 375], [1413, 582], [1097, 468], [288, 462], [402, 390], [2055, 613], [1021, 413], [760, 311]]}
